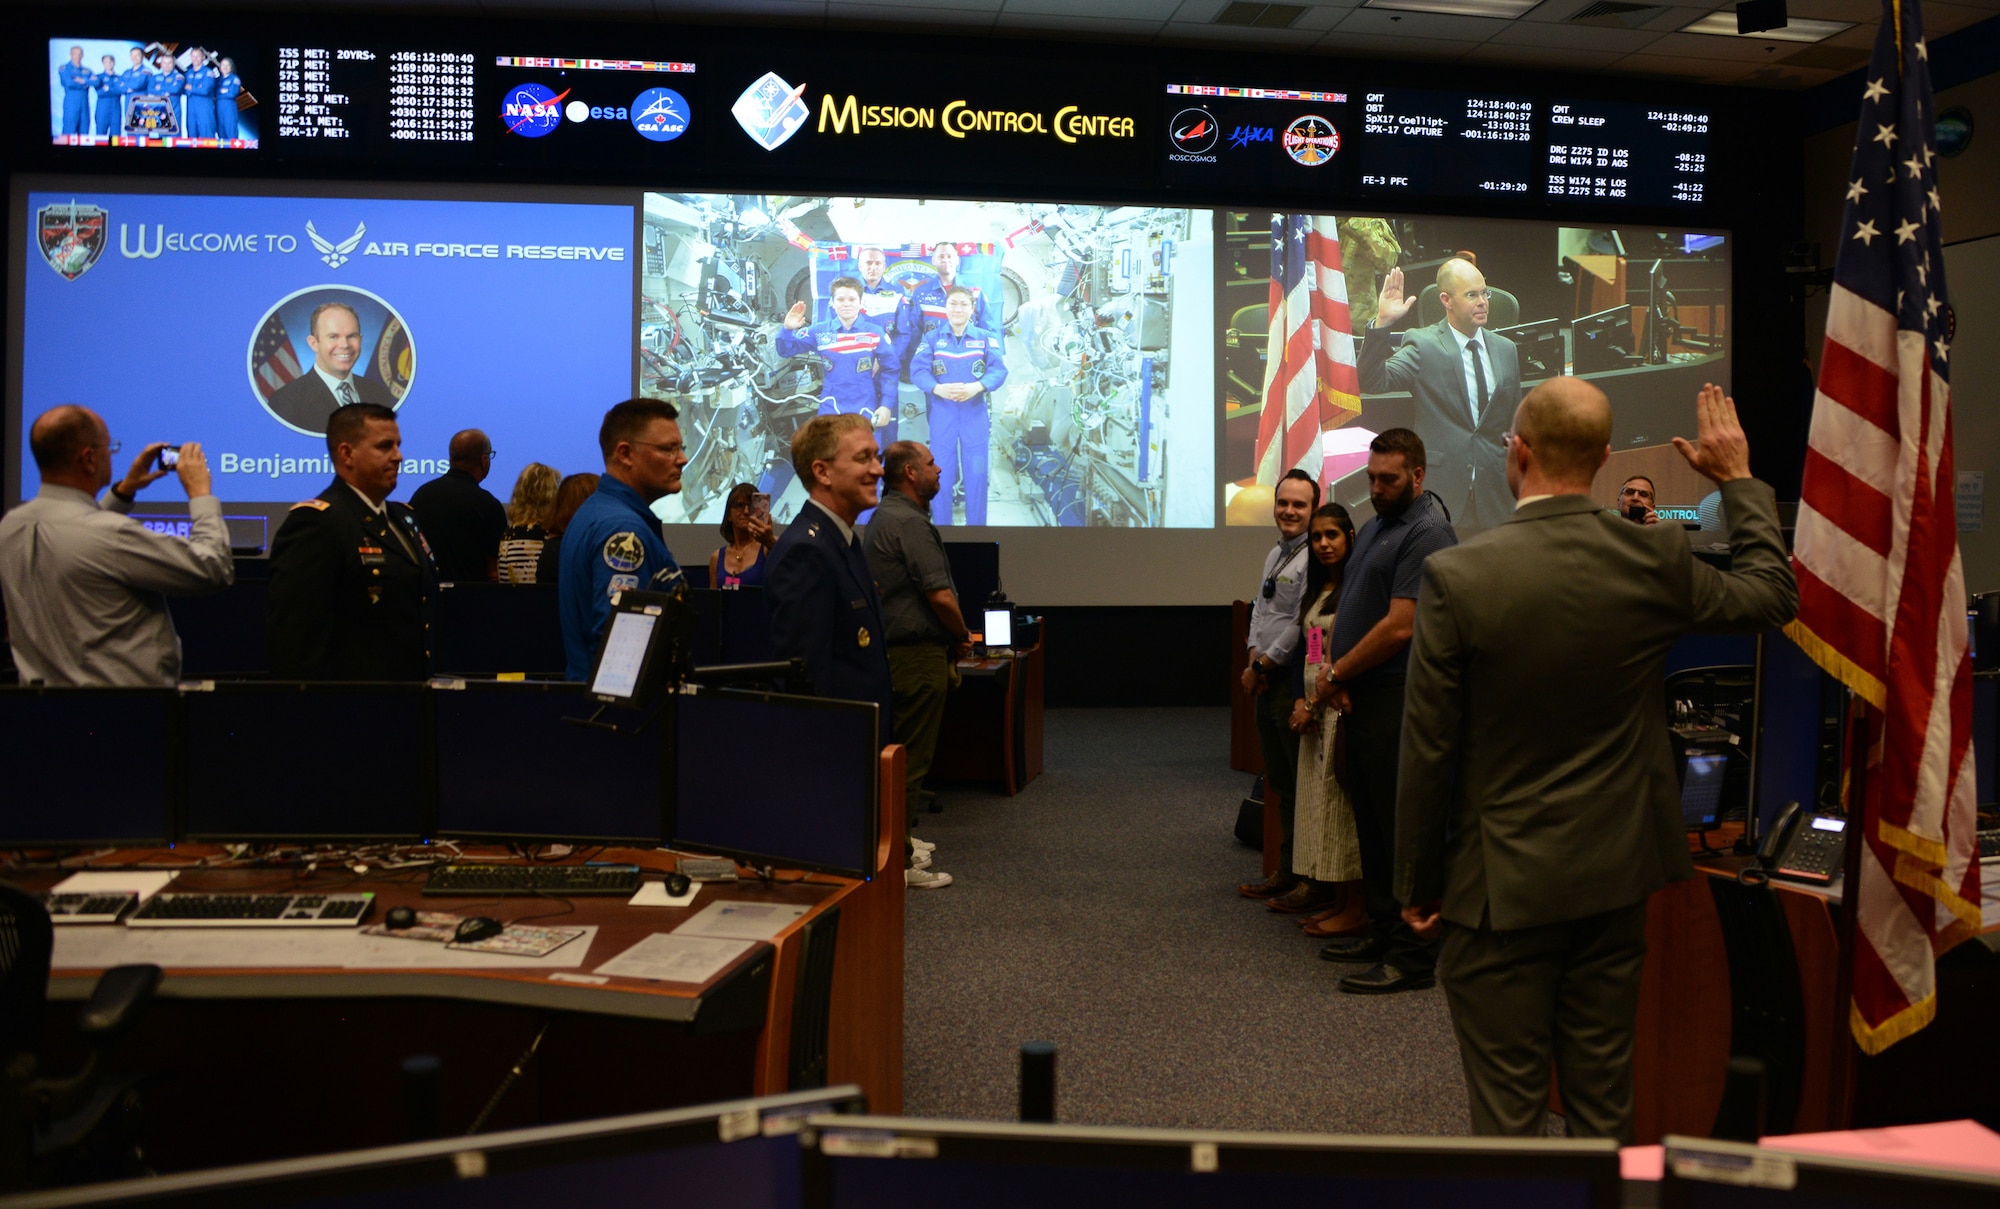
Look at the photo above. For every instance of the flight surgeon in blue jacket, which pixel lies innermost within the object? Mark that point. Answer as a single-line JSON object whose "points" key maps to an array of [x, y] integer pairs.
{"points": [[959, 366], [75, 80], [227, 89], [924, 313], [861, 360], [110, 86], [613, 543], [200, 84]]}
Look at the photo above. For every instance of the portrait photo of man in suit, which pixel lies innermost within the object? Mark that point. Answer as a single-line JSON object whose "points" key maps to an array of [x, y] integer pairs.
{"points": [[334, 335], [1465, 381]]}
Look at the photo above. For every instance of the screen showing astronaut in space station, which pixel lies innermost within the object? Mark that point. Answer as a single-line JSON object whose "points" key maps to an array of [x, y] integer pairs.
{"points": [[1058, 360]]}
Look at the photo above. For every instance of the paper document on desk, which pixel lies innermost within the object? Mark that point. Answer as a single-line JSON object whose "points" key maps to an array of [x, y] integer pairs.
{"points": [[143, 882], [742, 921], [663, 957]]}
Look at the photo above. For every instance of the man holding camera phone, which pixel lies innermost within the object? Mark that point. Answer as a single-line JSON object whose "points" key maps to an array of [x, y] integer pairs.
{"points": [[85, 584]]}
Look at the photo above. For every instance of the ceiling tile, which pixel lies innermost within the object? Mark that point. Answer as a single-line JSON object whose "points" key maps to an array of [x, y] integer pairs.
{"points": [[1706, 71], [1586, 37], [750, 8], [1322, 17], [1384, 23], [889, 12], [1027, 23], [1430, 50], [1559, 10], [933, 9], [1715, 46], [1123, 10], [1189, 33], [1676, 19], [1202, 11], [1560, 58]]}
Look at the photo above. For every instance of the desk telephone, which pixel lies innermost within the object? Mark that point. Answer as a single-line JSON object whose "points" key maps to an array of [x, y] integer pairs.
{"points": [[1804, 846]]}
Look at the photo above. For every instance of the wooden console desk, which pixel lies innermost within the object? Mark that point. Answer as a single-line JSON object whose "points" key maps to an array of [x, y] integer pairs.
{"points": [[283, 1060], [992, 729]]}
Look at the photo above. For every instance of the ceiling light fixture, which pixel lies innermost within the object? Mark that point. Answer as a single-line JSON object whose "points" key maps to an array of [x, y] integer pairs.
{"points": [[1499, 10], [1798, 29]]}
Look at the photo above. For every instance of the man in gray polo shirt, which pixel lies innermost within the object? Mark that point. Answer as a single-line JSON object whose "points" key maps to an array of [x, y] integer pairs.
{"points": [[920, 612]]}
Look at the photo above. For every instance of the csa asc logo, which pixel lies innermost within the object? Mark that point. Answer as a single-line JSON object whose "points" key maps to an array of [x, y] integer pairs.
{"points": [[531, 110], [71, 237], [1193, 131], [1311, 140], [771, 111], [660, 114], [335, 254]]}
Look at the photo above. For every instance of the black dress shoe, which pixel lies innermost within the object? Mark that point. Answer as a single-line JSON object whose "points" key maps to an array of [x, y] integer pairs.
{"points": [[1386, 980], [1361, 950]]}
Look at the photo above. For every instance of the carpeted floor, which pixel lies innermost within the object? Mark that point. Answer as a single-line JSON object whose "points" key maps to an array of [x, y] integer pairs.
{"points": [[1098, 910]]}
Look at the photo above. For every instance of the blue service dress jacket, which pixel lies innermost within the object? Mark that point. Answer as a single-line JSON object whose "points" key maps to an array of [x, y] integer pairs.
{"points": [[824, 607]]}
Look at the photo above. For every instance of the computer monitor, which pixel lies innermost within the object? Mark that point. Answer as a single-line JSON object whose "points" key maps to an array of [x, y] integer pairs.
{"points": [[517, 760], [774, 779], [318, 762], [88, 766], [1704, 772], [1542, 346], [1603, 341], [1706, 1174], [648, 643], [999, 629], [868, 1161], [743, 1153]]}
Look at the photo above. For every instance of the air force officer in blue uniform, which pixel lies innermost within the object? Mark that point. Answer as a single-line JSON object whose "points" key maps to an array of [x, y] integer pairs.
{"points": [[824, 606], [613, 544], [861, 362], [75, 79], [959, 366]]}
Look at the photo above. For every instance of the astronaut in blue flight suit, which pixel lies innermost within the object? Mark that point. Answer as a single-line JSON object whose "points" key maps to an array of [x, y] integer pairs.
{"points": [[75, 79], [200, 84], [227, 89], [861, 360], [959, 366], [613, 542], [924, 312], [133, 82], [110, 86]]}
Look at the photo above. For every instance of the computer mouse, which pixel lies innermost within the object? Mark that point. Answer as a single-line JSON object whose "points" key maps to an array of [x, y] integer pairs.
{"points": [[475, 928], [400, 918], [677, 884]]}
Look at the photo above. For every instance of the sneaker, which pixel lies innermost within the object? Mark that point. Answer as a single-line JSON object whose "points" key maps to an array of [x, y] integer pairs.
{"points": [[925, 879], [921, 845], [920, 859]]}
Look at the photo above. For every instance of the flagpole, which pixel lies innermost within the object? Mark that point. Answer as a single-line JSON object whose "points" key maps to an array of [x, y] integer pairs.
{"points": [[1860, 723]]}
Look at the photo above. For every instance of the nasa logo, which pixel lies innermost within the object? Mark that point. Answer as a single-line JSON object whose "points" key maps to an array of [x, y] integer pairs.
{"points": [[531, 110], [660, 114], [771, 111], [1311, 140], [71, 237], [1193, 131], [1246, 135]]}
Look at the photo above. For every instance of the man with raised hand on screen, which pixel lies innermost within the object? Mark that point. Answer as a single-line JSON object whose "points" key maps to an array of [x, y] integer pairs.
{"points": [[334, 335], [613, 543], [353, 584], [85, 584], [1466, 381], [959, 366], [1538, 808], [861, 361]]}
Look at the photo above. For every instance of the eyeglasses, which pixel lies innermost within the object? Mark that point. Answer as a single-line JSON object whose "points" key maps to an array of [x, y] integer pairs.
{"points": [[114, 446], [668, 449]]}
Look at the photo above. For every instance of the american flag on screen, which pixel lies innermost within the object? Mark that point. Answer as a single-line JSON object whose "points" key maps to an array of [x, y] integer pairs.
{"points": [[1310, 383], [272, 358], [1881, 588]]}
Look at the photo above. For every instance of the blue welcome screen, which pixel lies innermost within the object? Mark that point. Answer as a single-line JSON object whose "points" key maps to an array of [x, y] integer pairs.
{"points": [[241, 322]]}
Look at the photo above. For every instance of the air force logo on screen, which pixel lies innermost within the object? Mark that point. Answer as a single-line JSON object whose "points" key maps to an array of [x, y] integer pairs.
{"points": [[660, 114], [335, 254], [71, 237], [532, 110], [771, 111]]}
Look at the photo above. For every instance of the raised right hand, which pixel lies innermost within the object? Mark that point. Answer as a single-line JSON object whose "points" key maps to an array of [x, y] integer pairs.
{"points": [[1391, 304], [796, 317]]}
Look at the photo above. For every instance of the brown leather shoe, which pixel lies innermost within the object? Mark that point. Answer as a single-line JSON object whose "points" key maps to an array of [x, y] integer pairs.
{"points": [[1346, 916], [1302, 899], [1271, 887]]}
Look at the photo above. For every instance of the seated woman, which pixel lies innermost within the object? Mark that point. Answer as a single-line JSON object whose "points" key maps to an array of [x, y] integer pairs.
{"points": [[747, 529], [527, 523], [1326, 850], [569, 497]]}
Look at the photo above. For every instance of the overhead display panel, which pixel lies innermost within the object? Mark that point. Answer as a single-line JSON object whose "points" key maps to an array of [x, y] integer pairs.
{"points": [[556, 111], [362, 100], [171, 87], [1627, 152], [1436, 143]]}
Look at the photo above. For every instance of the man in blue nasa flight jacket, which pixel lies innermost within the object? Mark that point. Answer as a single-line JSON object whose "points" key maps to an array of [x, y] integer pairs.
{"points": [[613, 543], [75, 80]]}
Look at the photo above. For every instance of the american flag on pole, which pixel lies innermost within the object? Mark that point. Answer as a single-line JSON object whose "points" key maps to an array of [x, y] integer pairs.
{"points": [[1881, 588], [272, 361], [1310, 383]]}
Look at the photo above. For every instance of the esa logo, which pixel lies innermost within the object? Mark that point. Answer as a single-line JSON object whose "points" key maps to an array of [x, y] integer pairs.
{"points": [[1246, 135]]}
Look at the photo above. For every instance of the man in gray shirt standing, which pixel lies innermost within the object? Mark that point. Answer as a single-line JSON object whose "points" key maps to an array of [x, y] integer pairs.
{"points": [[1274, 642], [85, 584], [925, 627]]}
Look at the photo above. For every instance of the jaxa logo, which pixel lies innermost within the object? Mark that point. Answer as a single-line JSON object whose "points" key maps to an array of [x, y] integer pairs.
{"points": [[71, 237], [335, 254], [1246, 135], [771, 111]]}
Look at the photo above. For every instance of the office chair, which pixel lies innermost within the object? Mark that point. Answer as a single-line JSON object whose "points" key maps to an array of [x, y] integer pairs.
{"points": [[1503, 311], [77, 1128], [1766, 1009]]}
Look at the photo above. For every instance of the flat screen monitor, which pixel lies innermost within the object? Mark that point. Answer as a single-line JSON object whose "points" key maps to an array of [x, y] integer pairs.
{"points": [[515, 760], [976, 1166], [774, 779], [740, 1153], [999, 628], [1703, 774], [282, 761], [622, 659], [1603, 341], [87, 766], [1706, 1174], [1543, 349]]}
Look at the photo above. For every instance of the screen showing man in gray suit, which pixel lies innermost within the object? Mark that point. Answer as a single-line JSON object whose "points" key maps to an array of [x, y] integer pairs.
{"points": [[334, 335], [1466, 382], [1537, 807]]}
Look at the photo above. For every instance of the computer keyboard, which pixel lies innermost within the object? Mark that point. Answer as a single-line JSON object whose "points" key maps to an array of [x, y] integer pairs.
{"points": [[99, 908], [1989, 846], [252, 911], [505, 880], [708, 869]]}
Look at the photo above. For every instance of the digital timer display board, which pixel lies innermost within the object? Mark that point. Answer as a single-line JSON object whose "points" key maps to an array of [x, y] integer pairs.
{"points": [[1446, 143], [359, 101], [1626, 151]]}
